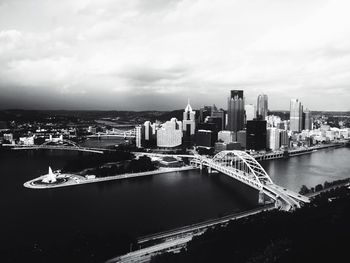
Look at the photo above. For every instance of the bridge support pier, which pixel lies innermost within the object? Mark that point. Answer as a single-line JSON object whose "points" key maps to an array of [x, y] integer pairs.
{"points": [[209, 169], [261, 197]]}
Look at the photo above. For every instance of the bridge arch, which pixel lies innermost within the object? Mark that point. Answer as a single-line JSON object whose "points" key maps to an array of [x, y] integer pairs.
{"points": [[245, 168], [242, 161]]}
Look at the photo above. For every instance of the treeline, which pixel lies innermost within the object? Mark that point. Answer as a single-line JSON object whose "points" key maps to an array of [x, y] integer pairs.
{"points": [[305, 190], [109, 164], [317, 232], [94, 161]]}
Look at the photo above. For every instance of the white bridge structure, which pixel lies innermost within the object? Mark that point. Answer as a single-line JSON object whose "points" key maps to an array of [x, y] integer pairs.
{"points": [[243, 167], [61, 144], [118, 133]]}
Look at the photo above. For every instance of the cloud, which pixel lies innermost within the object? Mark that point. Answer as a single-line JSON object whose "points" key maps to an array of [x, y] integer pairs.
{"points": [[103, 49]]}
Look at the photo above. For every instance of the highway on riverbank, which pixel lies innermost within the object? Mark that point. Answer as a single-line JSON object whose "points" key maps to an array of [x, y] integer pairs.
{"points": [[177, 238]]}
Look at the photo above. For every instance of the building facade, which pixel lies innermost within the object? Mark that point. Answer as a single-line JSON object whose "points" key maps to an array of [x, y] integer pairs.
{"points": [[308, 120], [170, 134], [226, 136], [273, 139], [256, 135], [235, 111], [189, 121], [296, 115], [250, 112], [262, 106]]}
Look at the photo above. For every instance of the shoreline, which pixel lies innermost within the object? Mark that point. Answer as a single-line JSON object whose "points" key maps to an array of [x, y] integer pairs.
{"points": [[74, 179]]}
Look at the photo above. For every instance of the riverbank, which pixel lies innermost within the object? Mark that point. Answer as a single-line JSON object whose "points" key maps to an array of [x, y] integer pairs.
{"points": [[74, 179], [317, 233], [295, 152], [176, 239]]}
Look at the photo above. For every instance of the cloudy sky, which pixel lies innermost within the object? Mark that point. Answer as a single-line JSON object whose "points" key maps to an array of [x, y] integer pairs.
{"points": [[154, 54]]}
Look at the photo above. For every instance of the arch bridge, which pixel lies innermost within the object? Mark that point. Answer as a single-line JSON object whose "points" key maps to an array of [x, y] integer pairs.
{"points": [[244, 168]]}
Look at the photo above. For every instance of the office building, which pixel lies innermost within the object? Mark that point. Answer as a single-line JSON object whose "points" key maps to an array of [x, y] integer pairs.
{"points": [[170, 134], [242, 138], [204, 112], [262, 106], [189, 122], [217, 121], [138, 135], [250, 112], [188, 125], [296, 115], [226, 136], [235, 111], [273, 139], [148, 134], [206, 138], [308, 120], [284, 138], [220, 114], [256, 135]]}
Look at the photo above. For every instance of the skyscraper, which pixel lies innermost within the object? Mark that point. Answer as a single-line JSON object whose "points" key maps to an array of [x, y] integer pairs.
{"points": [[273, 139], [262, 106], [308, 119], [235, 111], [219, 114], [250, 113], [256, 135], [189, 123], [296, 115]]}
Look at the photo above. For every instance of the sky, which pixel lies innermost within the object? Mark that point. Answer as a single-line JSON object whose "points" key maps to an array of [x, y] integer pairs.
{"points": [[155, 54]]}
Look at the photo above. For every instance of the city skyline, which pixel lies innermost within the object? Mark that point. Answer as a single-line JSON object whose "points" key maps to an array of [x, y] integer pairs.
{"points": [[132, 55]]}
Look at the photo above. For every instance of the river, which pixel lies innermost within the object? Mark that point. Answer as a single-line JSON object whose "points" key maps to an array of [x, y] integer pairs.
{"points": [[35, 220]]}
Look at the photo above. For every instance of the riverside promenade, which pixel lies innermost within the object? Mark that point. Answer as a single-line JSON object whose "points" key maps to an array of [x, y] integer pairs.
{"points": [[74, 179]]}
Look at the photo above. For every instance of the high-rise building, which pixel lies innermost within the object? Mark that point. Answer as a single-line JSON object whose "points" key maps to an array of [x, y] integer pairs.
{"points": [[138, 135], [242, 138], [273, 139], [206, 138], [189, 122], [262, 106], [250, 112], [220, 114], [284, 138], [148, 134], [170, 134], [256, 135], [235, 111], [296, 115], [205, 111], [308, 120]]}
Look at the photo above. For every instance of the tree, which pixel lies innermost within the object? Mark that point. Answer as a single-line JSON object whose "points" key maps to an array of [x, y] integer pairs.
{"points": [[304, 190], [318, 187]]}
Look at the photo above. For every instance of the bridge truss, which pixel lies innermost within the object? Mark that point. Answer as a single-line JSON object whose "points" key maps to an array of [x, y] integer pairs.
{"points": [[244, 168]]}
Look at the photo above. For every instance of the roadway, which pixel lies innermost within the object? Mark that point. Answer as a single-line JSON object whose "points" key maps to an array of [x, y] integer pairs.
{"points": [[197, 227], [145, 254], [175, 239]]}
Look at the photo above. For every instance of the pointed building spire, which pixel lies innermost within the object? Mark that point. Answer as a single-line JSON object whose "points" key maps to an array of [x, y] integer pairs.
{"points": [[188, 107]]}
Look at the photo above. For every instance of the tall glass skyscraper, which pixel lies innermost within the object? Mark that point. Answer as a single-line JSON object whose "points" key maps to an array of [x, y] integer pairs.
{"points": [[235, 111], [262, 107], [308, 120], [296, 115]]}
